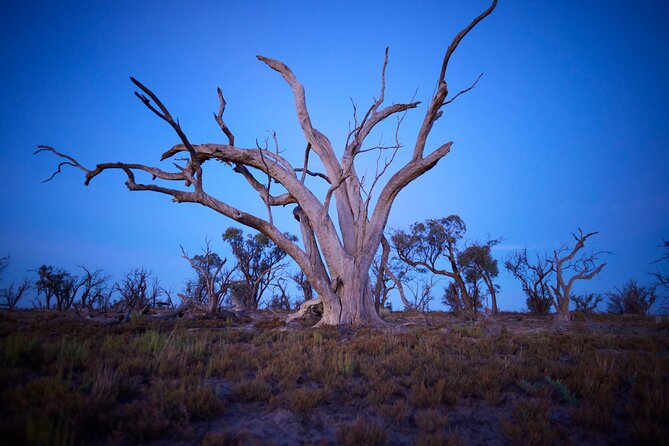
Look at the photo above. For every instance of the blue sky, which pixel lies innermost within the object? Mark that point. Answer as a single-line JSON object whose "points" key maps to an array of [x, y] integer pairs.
{"points": [[568, 127]]}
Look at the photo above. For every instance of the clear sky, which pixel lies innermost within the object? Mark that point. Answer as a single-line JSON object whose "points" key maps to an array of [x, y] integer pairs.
{"points": [[568, 127]]}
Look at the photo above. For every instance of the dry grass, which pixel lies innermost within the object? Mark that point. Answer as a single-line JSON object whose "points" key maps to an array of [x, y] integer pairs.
{"points": [[519, 380]]}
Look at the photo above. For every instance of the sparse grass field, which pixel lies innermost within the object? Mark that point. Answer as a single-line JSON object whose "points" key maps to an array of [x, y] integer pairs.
{"points": [[516, 380]]}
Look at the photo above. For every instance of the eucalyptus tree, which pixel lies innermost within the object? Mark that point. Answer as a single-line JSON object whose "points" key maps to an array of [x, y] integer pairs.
{"points": [[259, 262], [68, 290], [478, 264], [337, 252], [213, 279], [434, 246]]}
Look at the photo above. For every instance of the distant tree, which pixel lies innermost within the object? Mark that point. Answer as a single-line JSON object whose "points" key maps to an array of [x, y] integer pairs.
{"points": [[564, 262], [213, 279], [433, 245], [11, 295], [304, 285], [454, 301], [259, 261], [534, 277], [280, 299], [451, 298], [390, 273], [57, 284], [632, 299], [421, 291], [586, 302], [138, 288], [663, 277], [478, 264], [4, 263], [94, 287], [383, 284]]}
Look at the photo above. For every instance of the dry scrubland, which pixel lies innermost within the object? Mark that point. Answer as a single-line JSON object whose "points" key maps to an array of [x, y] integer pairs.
{"points": [[429, 380]]}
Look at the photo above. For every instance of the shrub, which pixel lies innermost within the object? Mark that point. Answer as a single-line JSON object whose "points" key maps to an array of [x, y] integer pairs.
{"points": [[586, 303], [632, 299]]}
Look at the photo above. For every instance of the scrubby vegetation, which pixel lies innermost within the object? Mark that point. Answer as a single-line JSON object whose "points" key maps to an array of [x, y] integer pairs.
{"points": [[430, 379]]}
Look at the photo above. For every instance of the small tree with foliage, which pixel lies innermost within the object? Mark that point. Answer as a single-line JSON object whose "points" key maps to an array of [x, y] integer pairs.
{"points": [[213, 279], [433, 245], [56, 284], [477, 263], [259, 261]]}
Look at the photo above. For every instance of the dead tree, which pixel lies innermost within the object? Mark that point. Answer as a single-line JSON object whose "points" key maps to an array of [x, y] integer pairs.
{"points": [[421, 290], [138, 289], [335, 260], [280, 299], [12, 296], [583, 268], [662, 278], [94, 289]]}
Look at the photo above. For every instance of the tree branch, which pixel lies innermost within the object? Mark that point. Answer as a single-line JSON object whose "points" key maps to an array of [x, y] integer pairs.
{"points": [[219, 118]]}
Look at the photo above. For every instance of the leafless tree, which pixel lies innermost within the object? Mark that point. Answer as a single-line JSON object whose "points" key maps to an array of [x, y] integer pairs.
{"points": [[534, 277], [565, 261], [137, 289], [4, 263], [280, 299], [12, 296], [335, 260], [421, 291], [661, 277], [94, 288], [213, 280]]}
